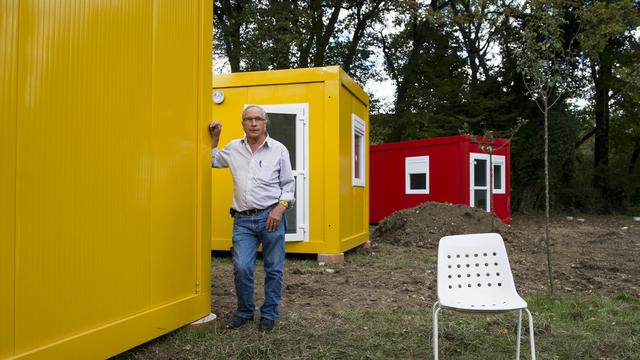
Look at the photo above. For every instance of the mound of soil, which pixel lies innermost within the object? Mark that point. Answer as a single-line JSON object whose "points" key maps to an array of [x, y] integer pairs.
{"points": [[423, 225]]}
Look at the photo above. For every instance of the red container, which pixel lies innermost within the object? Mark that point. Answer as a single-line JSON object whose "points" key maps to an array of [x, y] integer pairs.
{"points": [[453, 169]]}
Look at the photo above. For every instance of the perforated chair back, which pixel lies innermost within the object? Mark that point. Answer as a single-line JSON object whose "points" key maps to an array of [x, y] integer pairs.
{"points": [[474, 274]]}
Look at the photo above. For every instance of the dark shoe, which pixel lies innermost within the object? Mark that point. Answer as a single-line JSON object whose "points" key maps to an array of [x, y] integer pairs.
{"points": [[237, 322], [266, 324]]}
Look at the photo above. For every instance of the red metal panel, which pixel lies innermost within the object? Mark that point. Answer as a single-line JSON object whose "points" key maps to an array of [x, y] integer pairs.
{"points": [[448, 174]]}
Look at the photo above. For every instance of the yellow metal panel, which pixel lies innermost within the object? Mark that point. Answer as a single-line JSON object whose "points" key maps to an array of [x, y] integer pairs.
{"points": [[279, 77], [8, 87], [354, 200], [331, 153], [104, 342], [109, 185], [173, 195], [355, 90], [202, 305], [332, 96], [229, 114], [291, 76], [83, 168]]}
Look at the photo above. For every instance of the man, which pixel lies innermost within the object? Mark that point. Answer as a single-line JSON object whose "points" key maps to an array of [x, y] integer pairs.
{"points": [[263, 188]]}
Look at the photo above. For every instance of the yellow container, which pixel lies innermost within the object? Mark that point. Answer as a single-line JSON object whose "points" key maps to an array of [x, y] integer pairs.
{"points": [[105, 200], [322, 116]]}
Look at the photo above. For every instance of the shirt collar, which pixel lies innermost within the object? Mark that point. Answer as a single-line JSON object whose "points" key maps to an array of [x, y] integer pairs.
{"points": [[267, 141]]}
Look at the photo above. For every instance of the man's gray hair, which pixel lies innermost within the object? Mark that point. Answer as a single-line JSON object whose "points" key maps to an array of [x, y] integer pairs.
{"points": [[252, 106]]}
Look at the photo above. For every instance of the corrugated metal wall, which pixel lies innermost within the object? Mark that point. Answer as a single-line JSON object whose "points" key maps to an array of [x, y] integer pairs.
{"points": [[102, 171], [338, 211], [8, 87]]}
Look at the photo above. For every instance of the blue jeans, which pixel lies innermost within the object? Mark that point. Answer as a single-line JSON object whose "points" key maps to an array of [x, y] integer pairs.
{"points": [[248, 233]]}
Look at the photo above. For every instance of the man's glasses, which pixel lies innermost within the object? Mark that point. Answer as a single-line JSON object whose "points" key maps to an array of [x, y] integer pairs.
{"points": [[256, 118]]}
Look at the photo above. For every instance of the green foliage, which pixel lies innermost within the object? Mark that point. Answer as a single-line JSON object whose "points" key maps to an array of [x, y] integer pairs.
{"points": [[625, 130], [293, 34], [428, 63], [476, 25], [610, 30], [606, 21], [543, 58], [457, 62], [528, 163], [380, 128]]}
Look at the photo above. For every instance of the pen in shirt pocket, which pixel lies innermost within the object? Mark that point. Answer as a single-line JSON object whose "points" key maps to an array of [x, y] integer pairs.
{"points": [[260, 163]]}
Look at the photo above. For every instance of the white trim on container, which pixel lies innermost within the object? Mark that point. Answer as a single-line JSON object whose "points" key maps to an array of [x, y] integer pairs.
{"points": [[358, 160], [301, 167], [473, 187], [499, 160], [416, 165]]}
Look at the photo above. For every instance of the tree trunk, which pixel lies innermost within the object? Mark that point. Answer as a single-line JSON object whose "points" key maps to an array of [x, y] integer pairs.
{"points": [[468, 41], [315, 8], [305, 50], [634, 156], [408, 77], [353, 46], [546, 194], [322, 41], [358, 32], [419, 38], [229, 15], [603, 77], [364, 18]]}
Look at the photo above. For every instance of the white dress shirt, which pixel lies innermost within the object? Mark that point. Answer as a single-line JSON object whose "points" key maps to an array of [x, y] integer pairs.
{"points": [[260, 179]]}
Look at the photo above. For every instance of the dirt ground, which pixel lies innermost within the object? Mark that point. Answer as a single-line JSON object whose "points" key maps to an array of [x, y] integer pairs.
{"points": [[593, 254]]}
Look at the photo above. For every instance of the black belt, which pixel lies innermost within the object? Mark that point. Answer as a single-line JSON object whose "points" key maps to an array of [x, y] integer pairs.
{"points": [[250, 212]]}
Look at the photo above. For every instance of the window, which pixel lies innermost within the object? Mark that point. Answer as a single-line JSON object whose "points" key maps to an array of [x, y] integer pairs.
{"points": [[416, 175], [498, 162], [358, 168]]}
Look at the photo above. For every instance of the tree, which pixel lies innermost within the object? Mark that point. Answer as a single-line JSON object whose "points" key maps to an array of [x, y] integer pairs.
{"points": [[361, 16], [477, 24], [229, 18], [426, 66], [544, 62], [625, 130], [607, 32], [264, 35], [440, 62]]}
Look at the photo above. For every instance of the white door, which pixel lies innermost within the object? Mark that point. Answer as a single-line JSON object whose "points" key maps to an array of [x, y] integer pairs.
{"points": [[479, 177], [288, 125]]}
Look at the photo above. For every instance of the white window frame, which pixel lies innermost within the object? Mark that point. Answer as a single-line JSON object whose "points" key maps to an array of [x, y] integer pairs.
{"points": [[358, 127], [416, 165], [301, 167], [499, 160], [472, 158]]}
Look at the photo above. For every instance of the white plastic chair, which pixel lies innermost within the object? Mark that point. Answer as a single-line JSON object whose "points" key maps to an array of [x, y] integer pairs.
{"points": [[474, 275]]}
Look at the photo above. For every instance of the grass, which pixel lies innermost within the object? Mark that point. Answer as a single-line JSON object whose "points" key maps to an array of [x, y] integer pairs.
{"points": [[567, 327]]}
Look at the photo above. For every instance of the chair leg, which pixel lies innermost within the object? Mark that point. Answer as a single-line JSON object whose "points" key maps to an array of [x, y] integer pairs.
{"points": [[436, 310], [519, 333], [532, 342]]}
